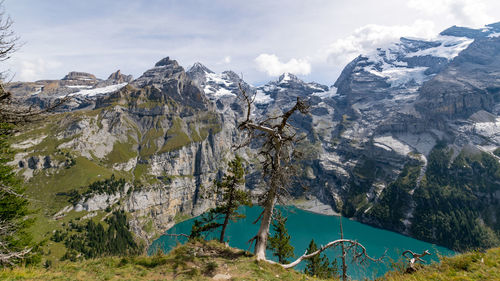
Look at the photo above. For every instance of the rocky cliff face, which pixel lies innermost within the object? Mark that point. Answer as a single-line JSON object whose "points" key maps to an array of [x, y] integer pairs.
{"points": [[160, 132], [397, 104], [171, 132]]}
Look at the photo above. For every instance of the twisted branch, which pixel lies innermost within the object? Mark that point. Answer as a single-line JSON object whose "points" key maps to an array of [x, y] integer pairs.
{"points": [[362, 254], [413, 259]]}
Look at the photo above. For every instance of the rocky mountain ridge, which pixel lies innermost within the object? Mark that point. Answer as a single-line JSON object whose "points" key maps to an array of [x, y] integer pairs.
{"points": [[375, 139], [82, 86]]}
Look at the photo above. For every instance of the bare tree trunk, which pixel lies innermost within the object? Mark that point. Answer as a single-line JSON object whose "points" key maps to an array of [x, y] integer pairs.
{"points": [[223, 231], [278, 134], [265, 223], [262, 235], [226, 219]]}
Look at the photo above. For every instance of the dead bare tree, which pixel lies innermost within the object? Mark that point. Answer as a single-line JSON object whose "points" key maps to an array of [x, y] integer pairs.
{"points": [[8, 39], [278, 152], [278, 139]]}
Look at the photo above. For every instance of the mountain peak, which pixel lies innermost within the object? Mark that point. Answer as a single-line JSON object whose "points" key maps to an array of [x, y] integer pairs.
{"points": [[495, 26], [76, 75], [459, 31], [118, 77], [199, 67], [287, 77], [166, 61]]}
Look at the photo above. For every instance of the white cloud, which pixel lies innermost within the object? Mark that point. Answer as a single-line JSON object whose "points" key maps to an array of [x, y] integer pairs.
{"points": [[33, 69], [104, 40], [369, 37], [467, 12], [272, 65]]}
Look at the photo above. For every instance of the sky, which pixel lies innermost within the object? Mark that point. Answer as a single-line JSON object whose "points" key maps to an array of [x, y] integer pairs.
{"points": [[259, 40]]}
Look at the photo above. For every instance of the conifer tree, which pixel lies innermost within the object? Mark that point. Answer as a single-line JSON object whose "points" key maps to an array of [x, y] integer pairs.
{"points": [[15, 241], [280, 241], [231, 198], [319, 265], [120, 240], [94, 241]]}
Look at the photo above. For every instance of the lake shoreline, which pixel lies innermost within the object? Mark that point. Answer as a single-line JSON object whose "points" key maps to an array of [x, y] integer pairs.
{"points": [[306, 225], [317, 207]]}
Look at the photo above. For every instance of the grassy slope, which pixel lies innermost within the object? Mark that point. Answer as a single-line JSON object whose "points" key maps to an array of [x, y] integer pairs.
{"points": [[43, 187], [191, 261], [187, 262], [469, 266]]}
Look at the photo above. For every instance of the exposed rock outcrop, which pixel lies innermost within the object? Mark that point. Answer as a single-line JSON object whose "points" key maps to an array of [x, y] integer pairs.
{"points": [[117, 78]]}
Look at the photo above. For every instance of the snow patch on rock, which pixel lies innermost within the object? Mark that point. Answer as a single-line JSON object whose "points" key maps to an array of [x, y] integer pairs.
{"points": [[423, 143], [449, 48], [262, 98], [490, 130], [389, 62], [99, 91], [389, 143], [332, 92]]}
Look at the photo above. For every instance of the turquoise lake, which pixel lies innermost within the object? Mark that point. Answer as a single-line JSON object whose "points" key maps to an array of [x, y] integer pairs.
{"points": [[304, 226]]}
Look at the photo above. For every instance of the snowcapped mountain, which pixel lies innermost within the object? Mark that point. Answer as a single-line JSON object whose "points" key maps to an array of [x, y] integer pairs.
{"points": [[286, 89], [215, 85], [410, 62], [403, 104]]}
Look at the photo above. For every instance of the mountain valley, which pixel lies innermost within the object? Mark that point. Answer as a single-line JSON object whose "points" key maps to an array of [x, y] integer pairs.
{"points": [[406, 139]]}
